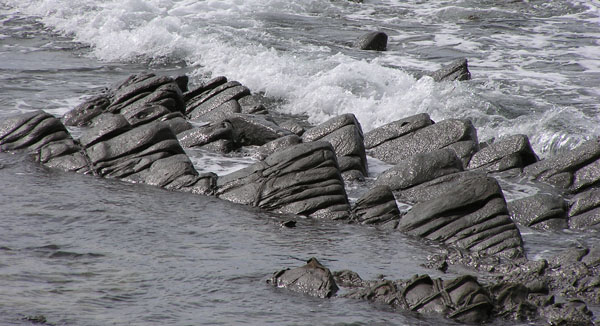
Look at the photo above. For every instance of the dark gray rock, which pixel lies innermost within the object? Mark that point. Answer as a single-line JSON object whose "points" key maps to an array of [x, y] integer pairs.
{"points": [[472, 215], [464, 150], [420, 168], [427, 139], [456, 70], [277, 145], [104, 126], [507, 153], [377, 206], [372, 41], [221, 112], [176, 121], [86, 111], [313, 279], [45, 138], [303, 179], [149, 89], [437, 187], [396, 129], [202, 136], [344, 133], [254, 130], [574, 170], [206, 86], [212, 99], [584, 210], [292, 126], [540, 211]]}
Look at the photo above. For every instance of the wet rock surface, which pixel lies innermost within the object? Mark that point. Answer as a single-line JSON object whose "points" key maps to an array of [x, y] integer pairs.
{"points": [[137, 130], [372, 41]]}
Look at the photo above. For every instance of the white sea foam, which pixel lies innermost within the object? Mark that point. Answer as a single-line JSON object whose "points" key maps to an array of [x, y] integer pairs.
{"points": [[290, 50]]}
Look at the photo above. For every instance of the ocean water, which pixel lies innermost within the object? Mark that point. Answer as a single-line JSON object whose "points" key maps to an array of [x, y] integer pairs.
{"points": [[85, 251]]}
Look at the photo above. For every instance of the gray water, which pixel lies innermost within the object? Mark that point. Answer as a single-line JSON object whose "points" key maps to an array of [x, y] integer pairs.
{"points": [[86, 251]]}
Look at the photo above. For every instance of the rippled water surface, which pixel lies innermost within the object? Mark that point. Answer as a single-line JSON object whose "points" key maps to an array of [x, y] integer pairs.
{"points": [[86, 251]]}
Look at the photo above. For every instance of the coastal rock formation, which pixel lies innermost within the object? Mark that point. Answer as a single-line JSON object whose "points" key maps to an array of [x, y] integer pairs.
{"points": [[303, 179], [470, 215], [138, 97], [221, 98], [574, 171], [541, 211], [46, 138], [463, 298], [417, 135], [372, 41], [421, 168], [456, 70], [584, 210], [345, 135], [377, 206], [503, 154]]}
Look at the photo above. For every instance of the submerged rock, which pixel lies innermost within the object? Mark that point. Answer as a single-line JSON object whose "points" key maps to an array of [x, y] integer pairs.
{"points": [[312, 279], [372, 41], [456, 70]]}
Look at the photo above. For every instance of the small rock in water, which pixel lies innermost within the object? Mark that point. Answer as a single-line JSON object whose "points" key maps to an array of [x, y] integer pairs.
{"points": [[288, 224], [372, 41]]}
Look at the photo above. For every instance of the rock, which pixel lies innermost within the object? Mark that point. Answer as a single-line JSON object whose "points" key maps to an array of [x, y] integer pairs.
{"points": [[377, 206], [472, 215], [303, 179], [207, 86], [344, 133], [584, 210], [313, 279], [574, 170], [396, 129], [221, 112], [372, 41], [420, 168], [277, 145], [464, 150], [570, 313], [254, 130], [456, 70], [213, 98], [540, 211], [148, 89], [176, 121], [86, 111], [437, 187], [202, 136], [426, 139], [507, 153], [292, 126]]}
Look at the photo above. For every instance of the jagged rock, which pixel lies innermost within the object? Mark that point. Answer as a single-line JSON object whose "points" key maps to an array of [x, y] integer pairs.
{"points": [[277, 145], [313, 279], [456, 70], [221, 112], [377, 206], [584, 210], [86, 111], [540, 211], [217, 132], [472, 215], [574, 170], [426, 139], [396, 129], [345, 135], [142, 90], [45, 137], [292, 126], [508, 153], [206, 86], [420, 168], [254, 130], [372, 41], [140, 98], [464, 150], [213, 98], [303, 179]]}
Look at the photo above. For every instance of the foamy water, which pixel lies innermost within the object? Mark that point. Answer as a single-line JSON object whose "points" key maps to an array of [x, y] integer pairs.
{"points": [[535, 65]]}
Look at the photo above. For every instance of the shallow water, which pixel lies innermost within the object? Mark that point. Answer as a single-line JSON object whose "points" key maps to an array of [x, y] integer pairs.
{"points": [[86, 251]]}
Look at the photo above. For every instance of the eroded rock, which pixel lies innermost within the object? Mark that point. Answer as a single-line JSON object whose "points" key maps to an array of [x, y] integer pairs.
{"points": [[377, 206], [541, 211]]}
